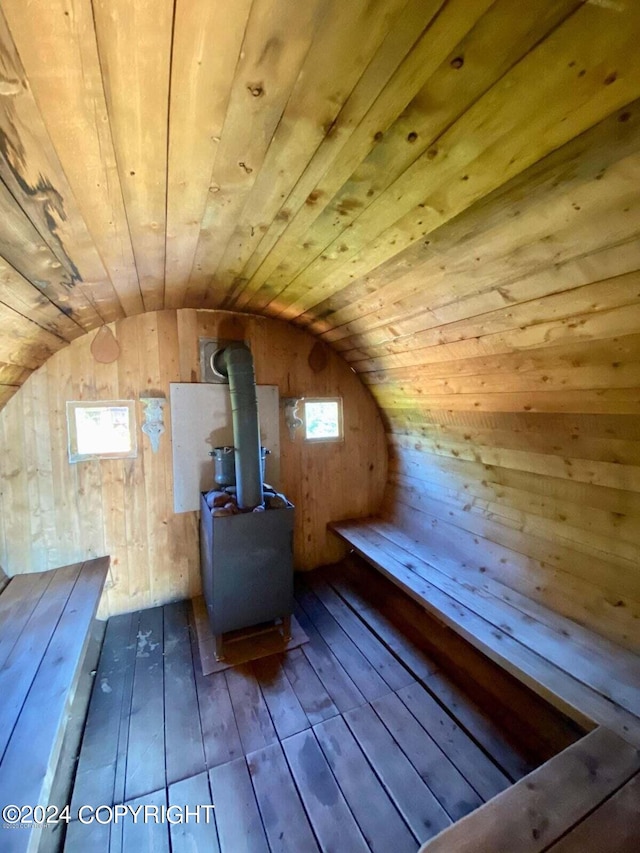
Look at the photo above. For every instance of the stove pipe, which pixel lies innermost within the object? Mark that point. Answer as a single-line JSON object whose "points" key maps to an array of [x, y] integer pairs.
{"points": [[236, 362]]}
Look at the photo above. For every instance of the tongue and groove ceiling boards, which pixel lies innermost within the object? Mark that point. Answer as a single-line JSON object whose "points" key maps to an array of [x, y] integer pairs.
{"points": [[441, 189]]}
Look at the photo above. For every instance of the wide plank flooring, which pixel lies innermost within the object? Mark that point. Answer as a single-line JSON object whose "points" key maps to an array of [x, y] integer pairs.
{"points": [[358, 740]]}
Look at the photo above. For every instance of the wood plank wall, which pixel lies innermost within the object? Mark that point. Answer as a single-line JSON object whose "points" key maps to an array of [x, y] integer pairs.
{"points": [[53, 513], [507, 362], [546, 503], [504, 351]]}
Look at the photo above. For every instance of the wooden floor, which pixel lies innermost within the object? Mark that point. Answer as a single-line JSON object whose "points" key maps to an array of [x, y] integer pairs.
{"points": [[362, 739]]}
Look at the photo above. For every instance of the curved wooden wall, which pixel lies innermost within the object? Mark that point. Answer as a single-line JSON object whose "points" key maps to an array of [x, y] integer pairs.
{"points": [[454, 206], [507, 363], [55, 513]]}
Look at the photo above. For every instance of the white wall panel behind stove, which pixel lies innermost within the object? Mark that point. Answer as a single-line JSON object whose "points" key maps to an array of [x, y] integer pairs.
{"points": [[200, 421]]}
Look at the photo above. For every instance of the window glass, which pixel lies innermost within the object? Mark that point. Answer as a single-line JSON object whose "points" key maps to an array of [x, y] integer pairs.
{"points": [[323, 419], [101, 430]]}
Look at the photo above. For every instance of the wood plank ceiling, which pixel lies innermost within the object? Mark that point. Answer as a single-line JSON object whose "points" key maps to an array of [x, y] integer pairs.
{"points": [[416, 181]]}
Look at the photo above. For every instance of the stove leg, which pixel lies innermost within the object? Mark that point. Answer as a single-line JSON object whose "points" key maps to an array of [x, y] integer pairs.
{"points": [[286, 628], [218, 646]]}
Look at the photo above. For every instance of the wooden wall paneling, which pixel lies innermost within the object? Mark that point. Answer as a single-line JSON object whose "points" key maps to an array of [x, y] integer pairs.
{"points": [[616, 476], [610, 355], [13, 374], [574, 307], [451, 22], [519, 297], [136, 535], [543, 202], [22, 247], [7, 392], [449, 458], [615, 504], [519, 558], [124, 506], [37, 455], [577, 598], [545, 492], [67, 523], [157, 497], [412, 380], [31, 171], [576, 518], [622, 555], [206, 47], [622, 401], [618, 427], [113, 499], [23, 342], [14, 488], [449, 438], [616, 578], [86, 477], [276, 41], [134, 46], [467, 339], [500, 289], [183, 574], [188, 348], [319, 118], [57, 46], [509, 131], [423, 349], [446, 95], [21, 296]]}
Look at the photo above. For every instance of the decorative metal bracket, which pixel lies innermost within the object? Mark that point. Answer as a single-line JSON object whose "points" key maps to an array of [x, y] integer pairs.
{"points": [[153, 425], [291, 418]]}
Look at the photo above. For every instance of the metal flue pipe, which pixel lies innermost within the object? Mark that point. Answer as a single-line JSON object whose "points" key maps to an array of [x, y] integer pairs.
{"points": [[236, 362]]}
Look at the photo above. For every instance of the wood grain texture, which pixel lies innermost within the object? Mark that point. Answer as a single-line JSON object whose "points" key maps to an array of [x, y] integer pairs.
{"points": [[57, 46], [459, 669], [541, 808], [237, 816], [589, 686], [391, 780], [445, 193], [55, 648], [135, 60], [373, 809], [52, 510], [276, 40], [206, 47], [283, 816], [617, 818], [328, 812]]}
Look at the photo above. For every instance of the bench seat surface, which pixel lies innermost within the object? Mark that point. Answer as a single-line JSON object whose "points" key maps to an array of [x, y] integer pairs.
{"points": [[45, 619], [575, 798], [592, 680]]}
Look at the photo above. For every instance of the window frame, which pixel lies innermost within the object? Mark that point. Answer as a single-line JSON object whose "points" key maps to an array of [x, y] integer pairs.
{"points": [[72, 429], [323, 439]]}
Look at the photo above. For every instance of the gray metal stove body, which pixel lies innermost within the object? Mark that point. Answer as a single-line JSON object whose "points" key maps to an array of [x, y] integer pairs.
{"points": [[246, 558], [247, 567]]}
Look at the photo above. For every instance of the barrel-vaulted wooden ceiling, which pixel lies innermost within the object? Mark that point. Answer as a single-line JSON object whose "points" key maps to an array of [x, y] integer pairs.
{"points": [[396, 175]]}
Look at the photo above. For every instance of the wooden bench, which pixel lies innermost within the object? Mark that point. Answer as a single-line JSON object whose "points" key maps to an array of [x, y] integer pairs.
{"points": [[590, 679], [584, 799], [45, 622]]}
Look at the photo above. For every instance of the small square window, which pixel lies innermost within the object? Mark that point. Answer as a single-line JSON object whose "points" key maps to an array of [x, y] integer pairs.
{"points": [[101, 430], [323, 419]]}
